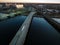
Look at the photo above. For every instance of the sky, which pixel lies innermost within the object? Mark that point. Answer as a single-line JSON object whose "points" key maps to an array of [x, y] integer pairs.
{"points": [[32, 1]]}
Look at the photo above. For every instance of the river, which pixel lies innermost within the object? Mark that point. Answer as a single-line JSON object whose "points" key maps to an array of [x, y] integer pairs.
{"points": [[8, 29], [40, 31]]}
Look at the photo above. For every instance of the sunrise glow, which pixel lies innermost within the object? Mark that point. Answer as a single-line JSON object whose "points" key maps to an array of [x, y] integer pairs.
{"points": [[32, 1]]}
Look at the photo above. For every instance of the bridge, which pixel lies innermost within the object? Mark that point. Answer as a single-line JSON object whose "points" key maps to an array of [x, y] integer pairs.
{"points": [[45, 31], [20, 36]]}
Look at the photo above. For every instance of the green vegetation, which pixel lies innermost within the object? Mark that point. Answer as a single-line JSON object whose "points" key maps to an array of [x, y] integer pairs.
{"points": [[3, 16], [12, 13]]}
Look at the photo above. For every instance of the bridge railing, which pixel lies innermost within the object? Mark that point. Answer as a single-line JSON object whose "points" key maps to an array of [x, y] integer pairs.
{"points": [[20, 36]]}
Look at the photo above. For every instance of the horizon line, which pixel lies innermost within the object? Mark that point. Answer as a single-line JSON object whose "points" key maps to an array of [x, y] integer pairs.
{"points": [[33, 2]]}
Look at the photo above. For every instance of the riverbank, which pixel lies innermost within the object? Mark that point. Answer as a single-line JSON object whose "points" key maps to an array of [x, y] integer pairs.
{"points": [[13, 13]]}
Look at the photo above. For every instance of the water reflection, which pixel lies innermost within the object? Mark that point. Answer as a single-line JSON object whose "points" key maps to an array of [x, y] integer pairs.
{"points": [[8, 29], [42, 33]]}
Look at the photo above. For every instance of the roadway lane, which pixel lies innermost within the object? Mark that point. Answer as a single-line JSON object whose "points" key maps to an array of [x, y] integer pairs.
{"points": [[8, 29], [42, 33]]}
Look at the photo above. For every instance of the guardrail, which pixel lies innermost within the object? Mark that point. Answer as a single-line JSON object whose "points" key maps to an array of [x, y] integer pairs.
{"points": [[22, 32]]}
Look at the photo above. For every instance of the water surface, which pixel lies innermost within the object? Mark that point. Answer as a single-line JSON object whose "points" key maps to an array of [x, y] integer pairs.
{"points": [[42, 33], [8, 29]]}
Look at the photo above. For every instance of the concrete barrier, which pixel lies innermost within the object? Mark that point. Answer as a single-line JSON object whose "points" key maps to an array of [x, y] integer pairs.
{"points": [[22, 32]]}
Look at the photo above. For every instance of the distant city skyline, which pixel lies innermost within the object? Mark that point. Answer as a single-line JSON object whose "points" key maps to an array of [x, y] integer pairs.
{"points": [[32, 1]]}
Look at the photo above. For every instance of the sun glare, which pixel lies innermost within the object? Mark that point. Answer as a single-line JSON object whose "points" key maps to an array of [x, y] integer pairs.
{"points": [[19, 6]]}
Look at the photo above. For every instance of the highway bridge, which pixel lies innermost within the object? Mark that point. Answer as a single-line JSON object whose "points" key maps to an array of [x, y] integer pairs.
{"points": [[33, 31]]}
